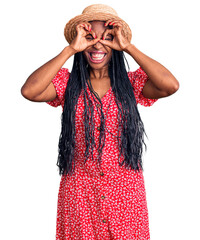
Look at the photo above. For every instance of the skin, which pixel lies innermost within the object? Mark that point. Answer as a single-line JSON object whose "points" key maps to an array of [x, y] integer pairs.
{"points": [[99, 29], [97, 36], [99, 71]]}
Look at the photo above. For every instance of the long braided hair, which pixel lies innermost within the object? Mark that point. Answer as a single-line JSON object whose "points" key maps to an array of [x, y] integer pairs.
{"points": [[132, 130]]}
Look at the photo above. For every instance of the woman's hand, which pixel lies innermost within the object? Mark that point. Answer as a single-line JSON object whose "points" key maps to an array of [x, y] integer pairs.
{"points": [[80, 42], [119, 42]]}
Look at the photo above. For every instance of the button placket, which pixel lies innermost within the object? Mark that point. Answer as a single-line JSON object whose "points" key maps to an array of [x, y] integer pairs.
{"points": [[101, 174], [99, 150], [103, 197]]}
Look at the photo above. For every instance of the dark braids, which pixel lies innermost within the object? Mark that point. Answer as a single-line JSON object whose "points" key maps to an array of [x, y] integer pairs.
{"points": [[130, 124]]}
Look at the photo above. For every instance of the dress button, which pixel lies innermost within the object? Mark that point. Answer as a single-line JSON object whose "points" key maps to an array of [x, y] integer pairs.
{"points": [[98, 105], [104, 220], [98, 128], [101, 173], [103, 197], [99, 151]]}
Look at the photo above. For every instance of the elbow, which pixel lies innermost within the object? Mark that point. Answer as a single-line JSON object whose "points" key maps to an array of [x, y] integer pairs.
{"points": [[26, 93], [23, 92], [173, 88], [170, 90]]}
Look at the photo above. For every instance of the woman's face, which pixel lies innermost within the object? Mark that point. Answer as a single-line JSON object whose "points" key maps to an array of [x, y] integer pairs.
{"points": [[98, 56]]}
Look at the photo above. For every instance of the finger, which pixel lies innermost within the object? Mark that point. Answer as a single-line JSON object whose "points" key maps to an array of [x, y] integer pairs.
{"points": [[80, 25], [108, 31], [85, 25], [93, 42], [90, 35], [108, 21], [116, 25], [90, 26], [106, 42], [93, 34], [115, 22]]}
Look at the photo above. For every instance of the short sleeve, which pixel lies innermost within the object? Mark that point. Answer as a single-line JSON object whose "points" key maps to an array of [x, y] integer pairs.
{"points": [[138, 79], [60, 84]]}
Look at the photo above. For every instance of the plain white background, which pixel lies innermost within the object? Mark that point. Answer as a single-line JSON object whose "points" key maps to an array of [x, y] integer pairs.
{"points": [[32, 34]]}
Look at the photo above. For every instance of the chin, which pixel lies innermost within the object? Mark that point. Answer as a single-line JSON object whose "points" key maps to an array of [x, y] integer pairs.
{"points": [[98, 66]]}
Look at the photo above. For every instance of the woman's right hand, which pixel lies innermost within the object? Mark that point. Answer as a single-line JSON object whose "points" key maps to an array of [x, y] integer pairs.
{"points": [[39, 87], [80, 42]]}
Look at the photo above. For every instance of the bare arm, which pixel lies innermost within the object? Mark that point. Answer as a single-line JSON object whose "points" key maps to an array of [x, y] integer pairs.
{"points": [[161, 81], [38, 87]]}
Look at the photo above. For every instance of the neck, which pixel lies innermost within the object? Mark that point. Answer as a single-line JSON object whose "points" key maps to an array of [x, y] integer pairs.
{"points": [[99, 73]]}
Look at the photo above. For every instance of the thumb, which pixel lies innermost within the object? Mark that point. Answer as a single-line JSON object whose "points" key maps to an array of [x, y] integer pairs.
{"points": [[107, 43], [94, 41]]}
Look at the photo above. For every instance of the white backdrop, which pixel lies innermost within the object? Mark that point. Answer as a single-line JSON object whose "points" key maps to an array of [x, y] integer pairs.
{"points": [[32, 34]]}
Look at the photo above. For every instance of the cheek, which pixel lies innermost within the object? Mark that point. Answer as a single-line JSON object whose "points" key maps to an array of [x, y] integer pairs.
{"points": [[109, 56], [109, 51], [85, 54]]}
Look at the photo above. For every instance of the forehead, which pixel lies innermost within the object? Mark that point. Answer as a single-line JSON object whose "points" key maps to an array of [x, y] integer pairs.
{"points": [[98, 26]]}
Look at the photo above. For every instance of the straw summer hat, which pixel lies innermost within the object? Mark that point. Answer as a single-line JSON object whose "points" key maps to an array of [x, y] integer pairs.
{"points": [[94, 12]]}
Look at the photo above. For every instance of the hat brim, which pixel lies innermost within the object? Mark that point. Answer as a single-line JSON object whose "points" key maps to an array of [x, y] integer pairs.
{"points": [[70, 27]]}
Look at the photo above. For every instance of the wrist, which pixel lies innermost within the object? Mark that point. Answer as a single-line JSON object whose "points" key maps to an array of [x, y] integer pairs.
{"points": [[69, 50], [127, 48]]}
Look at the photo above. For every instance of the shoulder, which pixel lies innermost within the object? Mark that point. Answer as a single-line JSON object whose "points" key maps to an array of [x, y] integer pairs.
{"points": [[138, 80], [60, 83], [137, 74], [62, 75]]}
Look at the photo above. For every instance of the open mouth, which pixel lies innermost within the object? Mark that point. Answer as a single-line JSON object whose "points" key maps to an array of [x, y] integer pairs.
{"points": [[96, 56]]}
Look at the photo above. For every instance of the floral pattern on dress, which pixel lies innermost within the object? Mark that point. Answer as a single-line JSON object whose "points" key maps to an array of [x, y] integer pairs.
{"points": [[101, 202]]}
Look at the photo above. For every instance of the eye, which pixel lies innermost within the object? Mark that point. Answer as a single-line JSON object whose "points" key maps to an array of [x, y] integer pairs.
{"points": [[109, 37], [89, 37]]}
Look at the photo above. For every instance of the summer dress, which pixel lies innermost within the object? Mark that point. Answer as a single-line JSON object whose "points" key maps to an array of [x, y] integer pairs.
{"points": [[108, 202]]}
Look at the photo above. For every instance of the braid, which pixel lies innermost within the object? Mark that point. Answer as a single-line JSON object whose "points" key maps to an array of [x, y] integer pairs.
{"points": [[130, 124]]}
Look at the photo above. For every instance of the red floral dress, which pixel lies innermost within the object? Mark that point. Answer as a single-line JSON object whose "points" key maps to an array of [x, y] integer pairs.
{"points": [[107, 202]]}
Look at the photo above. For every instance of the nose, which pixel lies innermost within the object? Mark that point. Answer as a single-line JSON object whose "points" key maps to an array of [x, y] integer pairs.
{"points": [[98, 45]]}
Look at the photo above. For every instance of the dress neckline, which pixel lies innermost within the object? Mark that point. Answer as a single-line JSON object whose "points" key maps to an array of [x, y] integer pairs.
{"points": [[105, 95]]}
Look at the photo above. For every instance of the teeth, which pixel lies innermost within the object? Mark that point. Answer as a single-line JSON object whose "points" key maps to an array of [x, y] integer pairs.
{"points": [[97, 56]]}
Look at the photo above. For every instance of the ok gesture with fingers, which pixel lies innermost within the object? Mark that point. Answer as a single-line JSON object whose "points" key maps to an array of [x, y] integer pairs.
{"points": [[80, 42], [119, 42]]}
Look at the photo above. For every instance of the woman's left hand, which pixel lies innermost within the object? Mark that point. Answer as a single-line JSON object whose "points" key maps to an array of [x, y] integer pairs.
{"points": [[119, 42]]}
